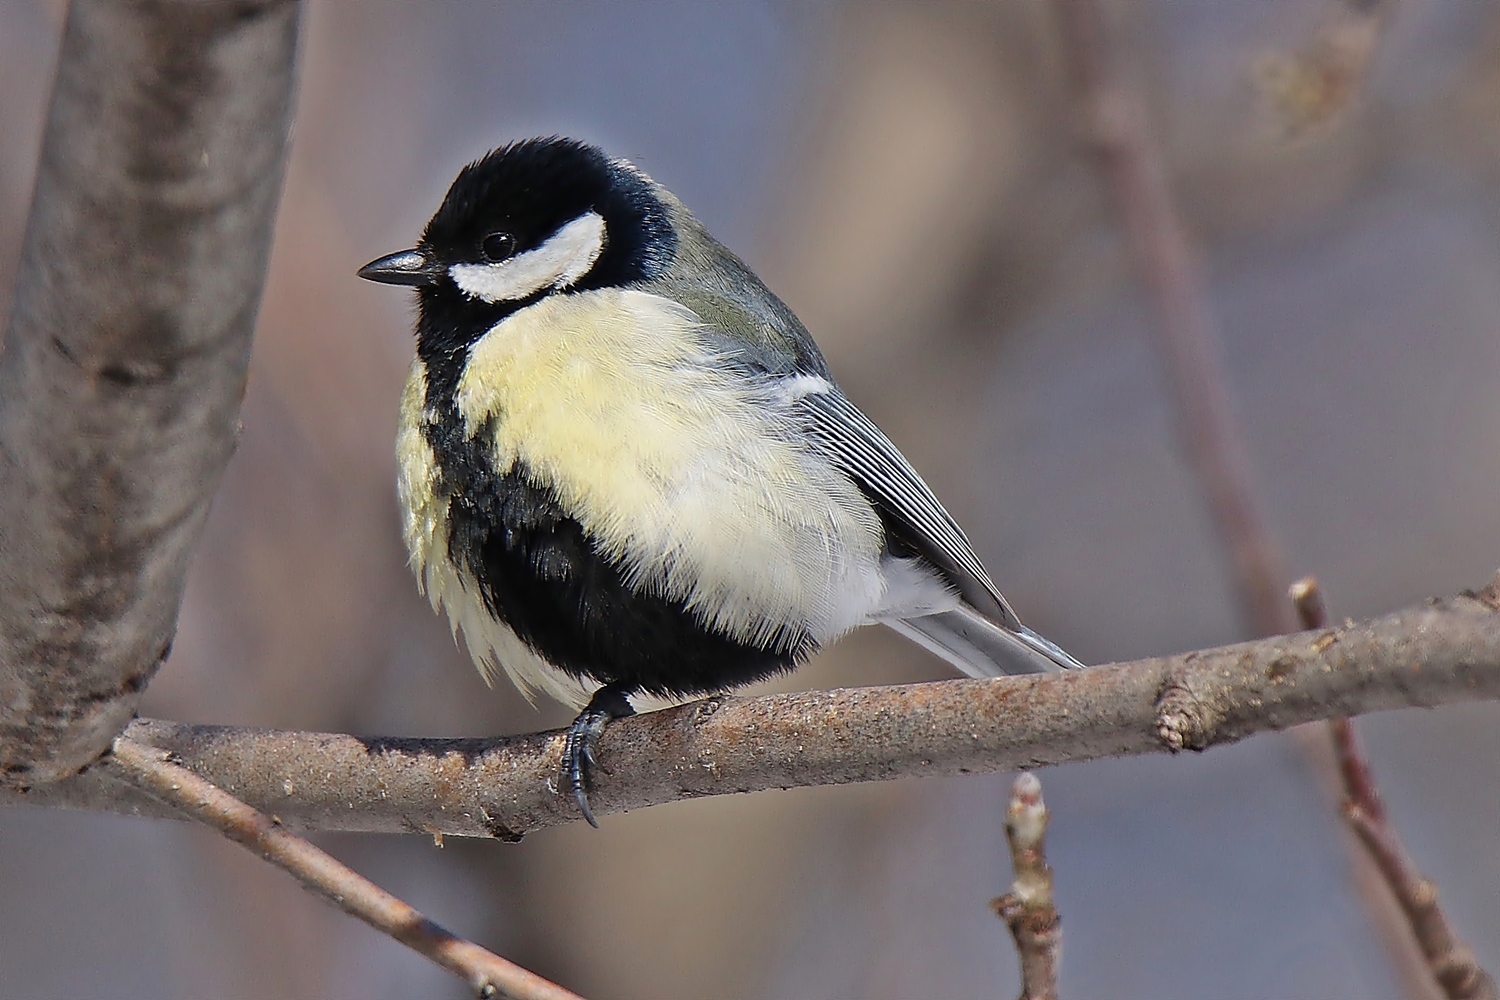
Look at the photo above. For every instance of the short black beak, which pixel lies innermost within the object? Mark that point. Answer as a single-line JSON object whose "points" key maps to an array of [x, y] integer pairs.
{"points": [[409, 267]]}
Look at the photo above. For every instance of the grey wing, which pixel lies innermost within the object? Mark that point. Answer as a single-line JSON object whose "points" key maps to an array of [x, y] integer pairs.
{"points": [[754, 332], [911, 512], [984, 636]]}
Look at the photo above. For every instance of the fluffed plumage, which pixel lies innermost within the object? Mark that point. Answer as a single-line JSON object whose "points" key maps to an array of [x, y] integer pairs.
{"points": [[626, 469]]}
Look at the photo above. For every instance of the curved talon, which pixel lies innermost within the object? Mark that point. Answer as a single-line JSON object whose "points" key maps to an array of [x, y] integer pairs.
{"points": [[607, 704]]}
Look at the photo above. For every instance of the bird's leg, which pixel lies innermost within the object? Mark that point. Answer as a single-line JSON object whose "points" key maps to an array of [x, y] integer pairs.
{"points": [[608, 703]]}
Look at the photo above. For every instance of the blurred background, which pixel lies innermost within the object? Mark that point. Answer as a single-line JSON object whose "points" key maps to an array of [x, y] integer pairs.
{"points": [[907, 176]]}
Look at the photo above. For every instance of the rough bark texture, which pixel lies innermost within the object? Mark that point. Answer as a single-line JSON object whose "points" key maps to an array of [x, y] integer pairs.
{"points": [[126, 356], [1442, 652]]}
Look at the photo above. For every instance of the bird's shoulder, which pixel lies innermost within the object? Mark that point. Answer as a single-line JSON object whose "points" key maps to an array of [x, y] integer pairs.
{"points": [[739, 314]]}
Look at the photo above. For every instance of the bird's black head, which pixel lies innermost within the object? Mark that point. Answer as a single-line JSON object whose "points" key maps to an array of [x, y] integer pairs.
{"points": [[534, 218]]}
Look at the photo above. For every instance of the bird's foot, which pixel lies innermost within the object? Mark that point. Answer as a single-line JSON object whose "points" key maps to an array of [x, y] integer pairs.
{"points": [[608, 704]]}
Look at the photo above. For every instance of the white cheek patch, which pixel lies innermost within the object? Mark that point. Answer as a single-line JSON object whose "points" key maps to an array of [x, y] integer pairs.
{"points": [[557, 263]]}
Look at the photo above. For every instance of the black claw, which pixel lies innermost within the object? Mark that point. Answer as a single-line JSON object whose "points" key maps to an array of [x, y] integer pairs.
{"points": [[607, 704]]}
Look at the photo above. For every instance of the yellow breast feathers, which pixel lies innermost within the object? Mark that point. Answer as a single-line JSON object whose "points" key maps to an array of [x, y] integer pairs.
{"points": [[686, 473]]}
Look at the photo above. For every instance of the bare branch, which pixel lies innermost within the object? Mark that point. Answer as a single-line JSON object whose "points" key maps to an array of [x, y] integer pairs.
{"points": [[1437, 653], [125, 360], [1029, 909], [1450, 961], [1321, 86], [1307, 599], [1115, 117], [488, 974]]}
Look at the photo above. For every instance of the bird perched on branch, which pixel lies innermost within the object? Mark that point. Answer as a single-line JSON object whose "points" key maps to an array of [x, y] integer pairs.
{"points": [[626, 470]]}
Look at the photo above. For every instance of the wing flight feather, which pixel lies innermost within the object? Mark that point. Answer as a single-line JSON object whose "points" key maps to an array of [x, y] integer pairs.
{"points": [[911, 511]]}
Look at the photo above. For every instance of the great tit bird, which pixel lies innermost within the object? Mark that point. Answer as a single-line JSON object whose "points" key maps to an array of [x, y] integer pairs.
{"points": [[625, 468]]}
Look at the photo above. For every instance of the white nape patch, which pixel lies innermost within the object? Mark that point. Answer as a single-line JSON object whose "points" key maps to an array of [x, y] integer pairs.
{"points": [[559, 262]]}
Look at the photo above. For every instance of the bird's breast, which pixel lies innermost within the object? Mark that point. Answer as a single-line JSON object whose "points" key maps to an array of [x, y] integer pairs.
{"points": [[686, 473]]}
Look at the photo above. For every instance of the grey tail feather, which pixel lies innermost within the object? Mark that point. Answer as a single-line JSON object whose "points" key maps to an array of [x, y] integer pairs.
{"points": [[982, 648]]}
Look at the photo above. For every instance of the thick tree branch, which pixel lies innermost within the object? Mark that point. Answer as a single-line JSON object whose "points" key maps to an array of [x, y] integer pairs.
{"points": [[487, 974], [125, 360], [1441, 652]]}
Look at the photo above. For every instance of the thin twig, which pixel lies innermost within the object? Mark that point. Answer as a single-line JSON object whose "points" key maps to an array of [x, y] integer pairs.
{"points": [[1118, 130], [1450, 960], [487, 974], [1307, 599], [1029, 909], [1163, 255], [1381, 905], [1436, 653]]}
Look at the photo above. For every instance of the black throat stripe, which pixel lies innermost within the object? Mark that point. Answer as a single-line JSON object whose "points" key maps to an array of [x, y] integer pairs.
{"points": [[541, 574]]}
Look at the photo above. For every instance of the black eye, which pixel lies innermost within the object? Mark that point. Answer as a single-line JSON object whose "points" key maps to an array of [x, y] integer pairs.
{"points": [[497, 246]]}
